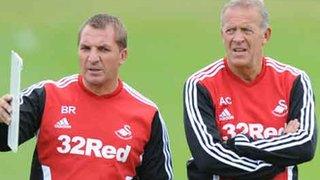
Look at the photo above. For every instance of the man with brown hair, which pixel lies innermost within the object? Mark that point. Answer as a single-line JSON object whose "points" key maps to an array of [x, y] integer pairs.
{"points": [[92, 125]]}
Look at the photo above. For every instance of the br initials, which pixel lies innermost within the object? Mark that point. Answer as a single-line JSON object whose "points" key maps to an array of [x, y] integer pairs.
{"points": [[68, 110]]}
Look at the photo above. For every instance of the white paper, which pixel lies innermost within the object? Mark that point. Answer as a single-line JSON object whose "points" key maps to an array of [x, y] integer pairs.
{"points": [[13, 131]]}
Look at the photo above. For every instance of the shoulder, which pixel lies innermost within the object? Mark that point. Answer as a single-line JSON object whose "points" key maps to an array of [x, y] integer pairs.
{"points": [[63, 82], [207, 72], [286, 72], [139, 98], [282, 68]]}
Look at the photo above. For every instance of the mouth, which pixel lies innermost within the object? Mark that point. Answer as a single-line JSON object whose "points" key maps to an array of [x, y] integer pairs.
{"points": [[94, 70], [239, 50]]}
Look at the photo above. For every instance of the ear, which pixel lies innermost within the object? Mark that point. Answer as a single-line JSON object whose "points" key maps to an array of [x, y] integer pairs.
{"points": [[221, 34], [123, 55], [266, 36]]}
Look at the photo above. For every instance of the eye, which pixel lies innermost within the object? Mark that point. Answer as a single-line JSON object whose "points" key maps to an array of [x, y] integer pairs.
{"points": [[247, 31], [230, 31], [103, 49], [84, 48]]}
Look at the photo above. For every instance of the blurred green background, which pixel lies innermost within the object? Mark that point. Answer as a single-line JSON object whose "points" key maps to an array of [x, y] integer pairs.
{"points": [[168, 40]]}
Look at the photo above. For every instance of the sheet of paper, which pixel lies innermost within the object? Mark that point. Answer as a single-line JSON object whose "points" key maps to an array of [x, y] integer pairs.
{"points": [[15, 78]]}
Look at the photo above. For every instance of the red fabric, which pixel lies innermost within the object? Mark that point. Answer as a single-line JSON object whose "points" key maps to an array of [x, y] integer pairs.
{"points": [[259, 112], [92, 119]]}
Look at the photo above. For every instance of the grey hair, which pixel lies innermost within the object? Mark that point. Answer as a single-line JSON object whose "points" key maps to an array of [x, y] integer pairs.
{"points": [[101, 21], [259, 4]]}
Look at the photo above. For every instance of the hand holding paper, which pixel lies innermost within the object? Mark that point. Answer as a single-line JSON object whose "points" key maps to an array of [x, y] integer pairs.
{"points": [[13, 131]]}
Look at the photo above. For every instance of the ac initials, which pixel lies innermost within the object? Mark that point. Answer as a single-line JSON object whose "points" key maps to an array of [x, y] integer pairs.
{"points": [[68, 110], [225, 101]]}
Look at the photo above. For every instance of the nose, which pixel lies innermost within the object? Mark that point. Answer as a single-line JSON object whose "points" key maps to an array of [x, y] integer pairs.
{"points": [[93, 56], [238, 37]]}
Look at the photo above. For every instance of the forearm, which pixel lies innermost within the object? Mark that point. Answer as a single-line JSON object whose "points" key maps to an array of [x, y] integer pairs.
{"points": [[293, 147], [276, 152], [220, 159]]}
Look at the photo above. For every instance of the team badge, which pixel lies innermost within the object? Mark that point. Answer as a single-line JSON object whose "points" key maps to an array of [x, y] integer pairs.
{"points": [[281, 109], [124, 132]]}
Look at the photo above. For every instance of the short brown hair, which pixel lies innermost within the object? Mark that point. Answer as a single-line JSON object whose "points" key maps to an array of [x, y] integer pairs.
{"points": [[101, 21]]}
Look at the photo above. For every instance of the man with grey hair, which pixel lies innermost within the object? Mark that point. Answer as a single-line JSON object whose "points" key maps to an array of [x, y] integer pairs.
{"points": [[248, 116], [92, 125]]}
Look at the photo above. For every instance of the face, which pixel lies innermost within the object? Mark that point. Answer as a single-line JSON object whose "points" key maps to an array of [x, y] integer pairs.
{"points": [[100, 56], [243, 36]]}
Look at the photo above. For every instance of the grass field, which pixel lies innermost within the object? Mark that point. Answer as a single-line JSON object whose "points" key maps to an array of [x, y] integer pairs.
{"points": [[168, 40]]}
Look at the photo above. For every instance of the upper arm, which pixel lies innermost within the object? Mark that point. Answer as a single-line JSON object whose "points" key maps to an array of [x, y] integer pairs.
{"points": [[156, 160], [31, 108]]}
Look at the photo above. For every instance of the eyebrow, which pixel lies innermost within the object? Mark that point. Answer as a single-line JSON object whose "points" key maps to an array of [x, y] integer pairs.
{"points": [[234, 26], [105, 45], [101, 45]]}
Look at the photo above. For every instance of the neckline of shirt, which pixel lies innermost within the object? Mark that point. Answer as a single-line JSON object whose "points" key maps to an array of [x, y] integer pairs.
{"points": [[239, 80], [114, 93]]}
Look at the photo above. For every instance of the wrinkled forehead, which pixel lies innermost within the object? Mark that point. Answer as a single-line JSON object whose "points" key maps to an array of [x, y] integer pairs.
{"points": [[89, 29], [90, 34]]}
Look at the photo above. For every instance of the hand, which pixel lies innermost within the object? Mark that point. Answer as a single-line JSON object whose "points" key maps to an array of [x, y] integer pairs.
{"points": [[5, 109], [292, 126]]}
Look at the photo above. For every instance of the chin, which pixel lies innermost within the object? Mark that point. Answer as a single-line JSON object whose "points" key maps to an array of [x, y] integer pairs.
{"points": [[93, 80], [239, 62]]}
